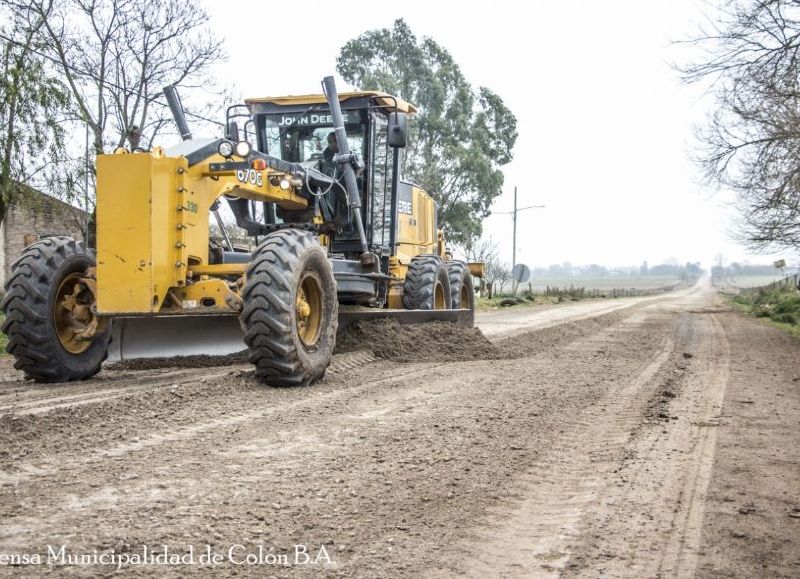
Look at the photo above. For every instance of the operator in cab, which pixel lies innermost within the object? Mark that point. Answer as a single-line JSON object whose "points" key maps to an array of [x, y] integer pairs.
{"points": [[330, 151]]}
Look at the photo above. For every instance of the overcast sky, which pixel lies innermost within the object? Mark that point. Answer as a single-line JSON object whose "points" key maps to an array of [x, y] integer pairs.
{"points": [[605, 125]]}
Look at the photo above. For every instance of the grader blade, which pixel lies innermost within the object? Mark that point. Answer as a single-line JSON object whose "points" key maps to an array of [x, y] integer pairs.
{"points": [[172, 336], [175, 336]]}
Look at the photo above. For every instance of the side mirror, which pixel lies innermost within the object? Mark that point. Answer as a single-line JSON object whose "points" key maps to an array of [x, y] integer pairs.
{"points": [[398, 130], [233, 132]]}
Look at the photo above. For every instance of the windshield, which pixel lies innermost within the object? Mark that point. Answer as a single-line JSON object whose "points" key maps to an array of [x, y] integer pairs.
{"points": [[309, 137], [301, 137]]}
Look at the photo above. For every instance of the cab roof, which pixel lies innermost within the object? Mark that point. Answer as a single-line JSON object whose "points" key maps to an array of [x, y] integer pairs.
{"points": [[382, 98]]}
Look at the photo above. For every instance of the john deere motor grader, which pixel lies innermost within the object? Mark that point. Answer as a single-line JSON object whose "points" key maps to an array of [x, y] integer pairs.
{"points": [[341, 236]]}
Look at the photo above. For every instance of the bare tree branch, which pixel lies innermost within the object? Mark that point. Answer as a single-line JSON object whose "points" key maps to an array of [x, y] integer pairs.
{"points": [[751, 143], [115, 57]]}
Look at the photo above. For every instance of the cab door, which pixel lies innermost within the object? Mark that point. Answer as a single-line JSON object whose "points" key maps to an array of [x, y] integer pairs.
{"points": [[381, 164]]}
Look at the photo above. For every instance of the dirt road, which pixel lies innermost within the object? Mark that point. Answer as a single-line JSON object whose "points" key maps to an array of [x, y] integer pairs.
{"points": [[654, 437]]}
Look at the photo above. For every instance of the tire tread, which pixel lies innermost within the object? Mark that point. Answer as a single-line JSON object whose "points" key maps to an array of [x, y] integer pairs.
{"points": [[31, 338], [268, 306]]}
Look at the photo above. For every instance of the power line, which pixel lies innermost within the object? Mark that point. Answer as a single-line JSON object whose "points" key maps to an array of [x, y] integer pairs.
{"points": [[518, 210], [106, 83]]}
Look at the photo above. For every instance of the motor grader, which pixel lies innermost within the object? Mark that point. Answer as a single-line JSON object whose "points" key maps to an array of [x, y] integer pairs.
{"points": [[340, 236]]}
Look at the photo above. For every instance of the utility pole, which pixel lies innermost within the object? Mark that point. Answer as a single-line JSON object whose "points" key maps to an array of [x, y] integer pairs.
{"points": [[514, 243]]}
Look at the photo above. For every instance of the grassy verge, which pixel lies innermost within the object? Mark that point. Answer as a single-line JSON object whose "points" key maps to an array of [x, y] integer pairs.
{"points": [[606, 283], [3, 339], [778, 307]]}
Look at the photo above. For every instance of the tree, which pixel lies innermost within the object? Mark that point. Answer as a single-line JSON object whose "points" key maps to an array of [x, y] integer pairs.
{"points": [[751, 142], [31, 102], [115, 57], [718, 269], [486, 251], [500, 273], [461, 137], [692, 270], [596, 270]]}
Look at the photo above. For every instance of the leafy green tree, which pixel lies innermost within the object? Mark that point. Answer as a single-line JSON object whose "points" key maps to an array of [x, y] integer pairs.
{"points": [[31, 103], [461, 137]]}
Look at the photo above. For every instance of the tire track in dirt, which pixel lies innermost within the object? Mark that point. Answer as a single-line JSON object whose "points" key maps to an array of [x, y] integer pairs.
{"points": [[649, 522], [685, 449], [751, 522], [427, 429], [680, 556], [533, 536], [24, 471], [164, 402], [44, 400], [32, 398], [38, 399]]}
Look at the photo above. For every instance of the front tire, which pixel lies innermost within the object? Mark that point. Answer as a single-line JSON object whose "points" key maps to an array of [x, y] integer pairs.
{"points": [[426, 286], [52, 328], [290, 313]]}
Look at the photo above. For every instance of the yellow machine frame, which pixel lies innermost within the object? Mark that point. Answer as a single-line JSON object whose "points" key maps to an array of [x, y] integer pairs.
{"points": [[153, 227], [158, 286], [153, 230]]}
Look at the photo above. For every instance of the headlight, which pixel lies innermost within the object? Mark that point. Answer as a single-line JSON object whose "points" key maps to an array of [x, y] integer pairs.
{"points": [[284, 184], [225, 149], [242, 149]]}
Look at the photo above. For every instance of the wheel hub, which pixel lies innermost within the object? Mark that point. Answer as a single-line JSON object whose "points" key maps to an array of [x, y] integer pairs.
{"points": [[74, 316], [308, 311], [439, 302], [463, 301]]}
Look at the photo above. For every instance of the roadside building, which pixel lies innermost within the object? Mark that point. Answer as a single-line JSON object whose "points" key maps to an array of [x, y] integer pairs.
{"points": [[34, 217]]}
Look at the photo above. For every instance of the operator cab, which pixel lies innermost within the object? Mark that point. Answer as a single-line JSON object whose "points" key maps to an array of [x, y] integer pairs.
{"points": [[299, 129]]}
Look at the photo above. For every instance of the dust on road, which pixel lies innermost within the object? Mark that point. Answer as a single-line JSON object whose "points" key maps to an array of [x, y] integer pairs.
{"points": [[610, 443]]}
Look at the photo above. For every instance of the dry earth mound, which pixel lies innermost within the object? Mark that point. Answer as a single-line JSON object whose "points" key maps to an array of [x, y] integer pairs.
{"points": [[429, 342]]}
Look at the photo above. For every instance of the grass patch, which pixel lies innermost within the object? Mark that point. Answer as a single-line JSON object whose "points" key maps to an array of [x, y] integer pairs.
{"points": [[779, 307], [753, 281], [3, 338]]}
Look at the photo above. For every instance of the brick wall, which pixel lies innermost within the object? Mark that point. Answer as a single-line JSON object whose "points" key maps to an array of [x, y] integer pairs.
{"points": [[32, 219]]}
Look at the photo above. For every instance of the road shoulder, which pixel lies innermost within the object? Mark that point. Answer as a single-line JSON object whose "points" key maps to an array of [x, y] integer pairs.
{"points": [[752, 516]]}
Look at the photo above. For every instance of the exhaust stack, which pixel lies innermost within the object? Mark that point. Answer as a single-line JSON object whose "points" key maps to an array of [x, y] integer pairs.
{"points": [[176, 108]]}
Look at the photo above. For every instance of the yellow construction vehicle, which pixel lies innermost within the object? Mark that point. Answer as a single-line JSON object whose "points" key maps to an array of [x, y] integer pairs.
{"points": [[315, 179]]}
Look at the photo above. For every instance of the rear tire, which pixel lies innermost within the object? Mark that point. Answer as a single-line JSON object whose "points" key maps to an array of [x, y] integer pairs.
{"points": [[290, 313], [462, 293], [427, 286], [44, 273]]}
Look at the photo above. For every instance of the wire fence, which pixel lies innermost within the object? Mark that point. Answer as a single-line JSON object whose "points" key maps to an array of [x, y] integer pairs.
{"points": [[789, 282], [582, 292]]}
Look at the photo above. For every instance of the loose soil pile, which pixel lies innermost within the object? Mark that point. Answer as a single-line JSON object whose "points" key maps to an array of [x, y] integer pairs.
{"points": [[430, 342]]}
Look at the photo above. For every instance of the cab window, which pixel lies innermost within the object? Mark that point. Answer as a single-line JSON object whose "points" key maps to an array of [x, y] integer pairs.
{"points": [[380, 181]]}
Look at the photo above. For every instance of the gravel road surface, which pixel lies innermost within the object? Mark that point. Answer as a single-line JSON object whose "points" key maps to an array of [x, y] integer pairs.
{"points": [[650, 437]]}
